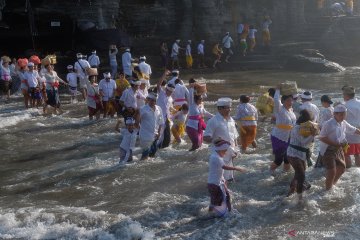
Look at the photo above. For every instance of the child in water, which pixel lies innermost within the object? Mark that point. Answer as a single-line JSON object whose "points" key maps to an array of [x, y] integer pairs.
{"points": [[178, 129], [129, 135]]}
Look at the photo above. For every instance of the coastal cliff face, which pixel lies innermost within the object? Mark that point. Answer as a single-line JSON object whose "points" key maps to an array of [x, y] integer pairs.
{"points": [[185, 19]]}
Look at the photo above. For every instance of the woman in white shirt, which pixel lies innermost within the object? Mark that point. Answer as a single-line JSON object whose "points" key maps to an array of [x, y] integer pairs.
{"points": [[248, 116], [195, 123], [280, 134], [298, 153]]}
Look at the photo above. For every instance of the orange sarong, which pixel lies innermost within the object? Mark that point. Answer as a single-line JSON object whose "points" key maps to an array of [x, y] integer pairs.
{"points": [[247, 135]]}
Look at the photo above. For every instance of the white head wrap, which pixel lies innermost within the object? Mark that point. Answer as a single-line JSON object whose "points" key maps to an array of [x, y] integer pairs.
{"points": [[340, 108], [223, 102]]}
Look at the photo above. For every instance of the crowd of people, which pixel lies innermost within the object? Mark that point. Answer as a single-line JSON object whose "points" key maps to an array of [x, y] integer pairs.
{"points": [[153, 117]]}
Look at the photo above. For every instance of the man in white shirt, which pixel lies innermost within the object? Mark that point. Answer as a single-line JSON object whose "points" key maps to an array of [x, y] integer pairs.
{"points": [[227, 41], [145, 68], [222, 126], [201, 54], [188, 55], [352, 117], [151, 120], [80, 66], [306, 98], [126, 62], [333, 144], [175, 53], [94, 60], [165, 101], [180, 94], [107, 88]]}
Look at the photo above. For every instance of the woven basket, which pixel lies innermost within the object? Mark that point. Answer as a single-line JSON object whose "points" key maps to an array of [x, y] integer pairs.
{"points": [[288, 88]]}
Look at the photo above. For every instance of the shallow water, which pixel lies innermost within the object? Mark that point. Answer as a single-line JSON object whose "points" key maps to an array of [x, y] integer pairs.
{"points": [[60, 178]]}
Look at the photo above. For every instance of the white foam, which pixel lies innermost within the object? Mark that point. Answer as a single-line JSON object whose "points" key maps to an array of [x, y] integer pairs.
{"points": [[16, 117], [69, 223]]}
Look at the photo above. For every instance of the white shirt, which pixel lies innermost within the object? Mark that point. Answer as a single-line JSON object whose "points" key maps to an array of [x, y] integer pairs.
{"points": [[179, 117], [325, 115], [72, 79], [145, 68], [195, 110], [334, 131], [32, 78], [107, 88], [172, 81], [5, 73], [175, 50], [164, 102], [94, 60], [252, 33], [150, 121], [128, 139], [129, 98], [298, 140], [126, 63], [312, 109], [266, 24], [219, 127], [92, 91], [80, 66], [285, 117], [246, 110], [216, 171], [51, 79], [200, 49], [188, 50], [141, 97], [180, 95], [227, 40], [240, 28], [353, 118]]}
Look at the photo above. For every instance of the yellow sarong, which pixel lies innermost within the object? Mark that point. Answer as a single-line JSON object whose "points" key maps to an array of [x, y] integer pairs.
{"points": [[189, 61], [284, 127], [252, 44], [178, 129], [266, 37]]}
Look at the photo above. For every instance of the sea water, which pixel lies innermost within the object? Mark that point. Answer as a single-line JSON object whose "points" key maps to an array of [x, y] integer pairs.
{"points": [[60, 177]]}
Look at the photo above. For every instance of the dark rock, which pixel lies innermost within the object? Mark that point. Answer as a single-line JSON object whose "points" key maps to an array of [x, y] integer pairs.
{"points": [[312, 64]]}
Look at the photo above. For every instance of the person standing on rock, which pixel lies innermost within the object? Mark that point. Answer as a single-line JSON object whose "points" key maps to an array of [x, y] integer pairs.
{"points": [[80, 67], [189, 58], [266, 32], [145, 69], [201, 54], [217, 51], [175, 54], [164, 53], [94, 60], [126, 63], [227, 41], [113, 51], [252, 38]]}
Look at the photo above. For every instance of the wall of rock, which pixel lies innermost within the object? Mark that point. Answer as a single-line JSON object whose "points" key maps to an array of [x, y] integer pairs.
{"points": [[185, 19]]}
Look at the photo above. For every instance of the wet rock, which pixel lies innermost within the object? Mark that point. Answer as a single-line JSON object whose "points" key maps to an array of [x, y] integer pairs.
{"points": [[304, 63]]}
